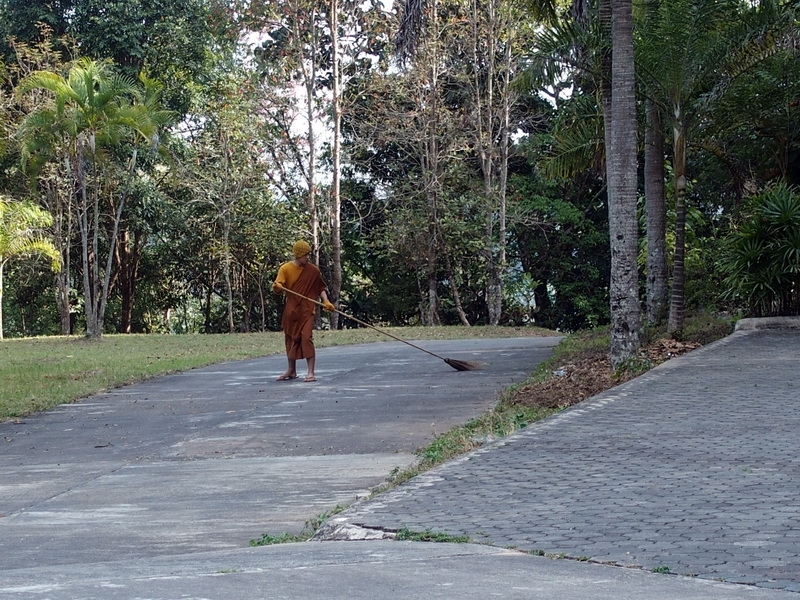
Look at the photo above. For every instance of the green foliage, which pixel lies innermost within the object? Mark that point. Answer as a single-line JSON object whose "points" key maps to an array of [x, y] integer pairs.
{"points": [[761, 259], [704, 327], [20, 234], [561, 238], [661, 569], [285, 538], [406, 534], [170, 40]]}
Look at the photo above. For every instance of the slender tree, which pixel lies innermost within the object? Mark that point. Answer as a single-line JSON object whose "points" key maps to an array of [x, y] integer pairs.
{"points": [[656, 209], [336, 152], [690, 52]]}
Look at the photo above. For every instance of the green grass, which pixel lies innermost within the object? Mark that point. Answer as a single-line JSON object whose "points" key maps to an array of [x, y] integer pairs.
{"points": [[405, 534], [310, 528], [40, 373]]}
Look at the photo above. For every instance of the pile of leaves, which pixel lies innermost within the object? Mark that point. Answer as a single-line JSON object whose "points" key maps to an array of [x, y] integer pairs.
{"points": [[590, 373]]}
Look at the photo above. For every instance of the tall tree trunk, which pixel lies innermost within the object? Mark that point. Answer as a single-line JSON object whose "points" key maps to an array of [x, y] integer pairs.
{"points": [[58, 203], [621, 174], [676, 308], [336, 201], [88, 256], [62, 240], [129, 253], [502, 184], [451, 276], [310, 80], [432, 175], [226, 268], [656, 216], [492, 121], [2, 266]]}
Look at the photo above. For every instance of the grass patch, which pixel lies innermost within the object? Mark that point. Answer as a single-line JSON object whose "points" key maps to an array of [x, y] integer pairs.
{"points": [[309, 529], [405, 534], [501, 421], [40, 373], [662, 569]]}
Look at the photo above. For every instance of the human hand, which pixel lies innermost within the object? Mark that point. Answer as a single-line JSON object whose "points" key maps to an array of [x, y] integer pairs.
{"points": [[329, 306], [277, 287]]}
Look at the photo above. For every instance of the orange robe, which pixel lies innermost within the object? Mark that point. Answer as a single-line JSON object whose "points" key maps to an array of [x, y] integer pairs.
{"points": [[298, 314]]}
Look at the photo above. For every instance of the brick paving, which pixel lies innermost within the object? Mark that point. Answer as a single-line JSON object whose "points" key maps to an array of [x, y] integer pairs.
{"points": [[693, 467]]}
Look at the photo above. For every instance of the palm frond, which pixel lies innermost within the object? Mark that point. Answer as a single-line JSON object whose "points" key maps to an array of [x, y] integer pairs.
{"points": [[578, 140]]}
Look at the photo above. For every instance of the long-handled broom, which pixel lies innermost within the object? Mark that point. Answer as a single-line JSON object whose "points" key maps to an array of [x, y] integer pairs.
{"points": [[458, 365]]}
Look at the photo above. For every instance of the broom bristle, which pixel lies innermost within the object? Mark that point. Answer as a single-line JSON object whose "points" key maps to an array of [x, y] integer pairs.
{"points": [[462, 365]]}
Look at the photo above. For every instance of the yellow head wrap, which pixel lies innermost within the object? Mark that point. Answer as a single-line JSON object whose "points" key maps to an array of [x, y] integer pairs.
{"points": [[301, 249]]}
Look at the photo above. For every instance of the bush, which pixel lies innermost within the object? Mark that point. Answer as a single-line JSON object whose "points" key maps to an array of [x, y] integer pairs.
{"points": [[761, 257]]}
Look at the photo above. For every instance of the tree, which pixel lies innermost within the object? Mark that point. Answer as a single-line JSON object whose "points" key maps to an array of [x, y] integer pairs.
{"points": [[494, 56], [226, 170], [32, 21], [690, 53], [621, 172], [94, 113], [170, 40], [55, 189], [491, 51], [290, 63], [20, 223]]}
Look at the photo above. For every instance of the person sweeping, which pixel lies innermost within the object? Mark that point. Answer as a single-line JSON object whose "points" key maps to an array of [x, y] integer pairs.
{"points": [[304, 278]]}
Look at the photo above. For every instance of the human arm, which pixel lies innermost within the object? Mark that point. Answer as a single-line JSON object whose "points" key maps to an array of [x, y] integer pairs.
{"points": [[327, 304], [280, 281]]}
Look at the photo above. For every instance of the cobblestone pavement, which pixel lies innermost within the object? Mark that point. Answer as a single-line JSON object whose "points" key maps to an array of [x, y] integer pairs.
{"points": [[693, 467]]}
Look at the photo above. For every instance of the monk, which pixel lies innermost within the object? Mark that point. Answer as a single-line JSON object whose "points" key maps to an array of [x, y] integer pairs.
{"points": [[303, 277]]}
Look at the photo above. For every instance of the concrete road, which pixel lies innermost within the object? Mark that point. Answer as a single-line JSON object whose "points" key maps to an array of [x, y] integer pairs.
{"points": [[154, 491], [212, 458]]}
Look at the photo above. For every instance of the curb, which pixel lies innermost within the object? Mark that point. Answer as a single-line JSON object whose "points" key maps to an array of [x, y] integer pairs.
{"points": [[768, 323]]}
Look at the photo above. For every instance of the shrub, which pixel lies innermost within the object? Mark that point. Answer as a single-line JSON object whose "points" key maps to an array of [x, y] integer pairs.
{"points": [[761, 256]]}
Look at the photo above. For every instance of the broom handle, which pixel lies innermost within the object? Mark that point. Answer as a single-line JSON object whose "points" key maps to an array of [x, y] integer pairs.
{"points": [[360, 322]]}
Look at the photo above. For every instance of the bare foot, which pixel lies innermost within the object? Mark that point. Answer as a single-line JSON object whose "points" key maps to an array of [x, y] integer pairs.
{"points": [[287, 377]]}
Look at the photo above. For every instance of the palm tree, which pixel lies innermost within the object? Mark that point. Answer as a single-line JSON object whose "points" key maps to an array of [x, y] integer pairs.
{"points": [[19, 236], [582, 45], [621, 172], [94, 112], [690, 51]]}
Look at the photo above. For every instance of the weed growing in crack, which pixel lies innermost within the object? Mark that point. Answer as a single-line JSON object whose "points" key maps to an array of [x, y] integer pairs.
{"points": [[406, 534], [309, 529]]}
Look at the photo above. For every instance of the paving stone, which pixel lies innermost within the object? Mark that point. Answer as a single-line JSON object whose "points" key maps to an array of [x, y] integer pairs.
{"points": [[692, 465]]}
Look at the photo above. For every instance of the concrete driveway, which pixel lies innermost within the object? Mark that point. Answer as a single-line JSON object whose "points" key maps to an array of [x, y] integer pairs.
{"points": [[211, 458]]}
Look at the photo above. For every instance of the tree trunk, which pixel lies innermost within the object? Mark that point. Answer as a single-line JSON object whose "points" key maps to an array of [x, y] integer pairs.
{"points": [[462, 316], [656, 217], [88, 257], [310, 81], [676, 308], [336, 201], [129, 254], [621, 174], [433, 302], [492, 141], [61, 210], [226, 269], [2, 264]]}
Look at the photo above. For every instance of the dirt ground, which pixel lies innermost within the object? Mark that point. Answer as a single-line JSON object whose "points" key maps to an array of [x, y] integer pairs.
{"points": [[592, 374]]}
